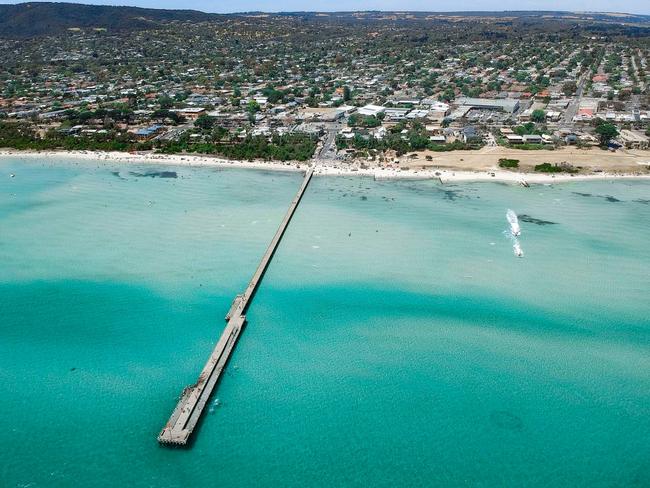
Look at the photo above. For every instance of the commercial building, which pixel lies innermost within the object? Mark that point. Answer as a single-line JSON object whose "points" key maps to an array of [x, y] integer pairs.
{"points": [[507, 105]]}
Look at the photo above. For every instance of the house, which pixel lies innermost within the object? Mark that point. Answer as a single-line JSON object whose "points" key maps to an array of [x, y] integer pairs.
{"points": [[396, 113], [553, 115], [514, 139], [407, 101], [417, 114], [437, 115], [191, 113], [633, 139], [527, 114], [55, 114], [379, 133], [584, 114], [571, 139], [433, 129], [588, 139], [532, 139], [469, 134], [347, 133], [547, 139], [436, 106]]}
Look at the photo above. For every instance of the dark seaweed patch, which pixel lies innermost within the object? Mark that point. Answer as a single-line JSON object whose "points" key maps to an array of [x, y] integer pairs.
{"points": [[609, 198], [506, 420], [532, 220], [155, 174], [364, 198], [452, 195]]}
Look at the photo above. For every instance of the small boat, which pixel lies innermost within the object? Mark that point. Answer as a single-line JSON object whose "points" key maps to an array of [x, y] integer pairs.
{"points": [[511, 216]]}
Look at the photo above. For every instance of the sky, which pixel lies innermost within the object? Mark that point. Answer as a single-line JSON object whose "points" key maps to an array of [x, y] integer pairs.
{"points": [[629, 6]]}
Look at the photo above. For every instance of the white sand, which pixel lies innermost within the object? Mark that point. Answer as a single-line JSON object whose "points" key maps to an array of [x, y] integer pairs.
{"points": [[151, 158], [496, 174]]}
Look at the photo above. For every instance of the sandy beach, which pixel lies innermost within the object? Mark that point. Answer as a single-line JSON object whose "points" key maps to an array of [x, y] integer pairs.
{"points": [[153, 158], [454, 166], [585, 159]]}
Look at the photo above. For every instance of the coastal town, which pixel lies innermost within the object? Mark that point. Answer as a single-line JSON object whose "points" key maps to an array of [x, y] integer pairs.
{"points": [[383, 91], [243, 247]]}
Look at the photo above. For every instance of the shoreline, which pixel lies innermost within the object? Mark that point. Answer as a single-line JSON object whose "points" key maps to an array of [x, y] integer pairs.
{"points": [[152, 158], [443, 174]]}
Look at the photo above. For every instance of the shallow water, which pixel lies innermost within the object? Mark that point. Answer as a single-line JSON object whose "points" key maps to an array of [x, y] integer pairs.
{"points": [[395, 340]]}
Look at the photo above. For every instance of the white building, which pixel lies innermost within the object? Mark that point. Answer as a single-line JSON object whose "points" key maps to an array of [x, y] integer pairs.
{"points": [[373, 110]]}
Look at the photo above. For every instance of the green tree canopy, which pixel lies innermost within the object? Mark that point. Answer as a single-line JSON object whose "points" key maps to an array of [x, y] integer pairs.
{"points": [[606, 132], [538, 116]]}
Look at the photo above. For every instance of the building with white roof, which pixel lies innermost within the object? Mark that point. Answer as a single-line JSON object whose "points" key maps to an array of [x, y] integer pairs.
{"points": [[373, 110]]}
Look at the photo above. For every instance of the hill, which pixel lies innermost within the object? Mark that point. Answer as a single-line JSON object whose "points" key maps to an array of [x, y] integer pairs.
{"points": [[44, 18], [36, 19]]}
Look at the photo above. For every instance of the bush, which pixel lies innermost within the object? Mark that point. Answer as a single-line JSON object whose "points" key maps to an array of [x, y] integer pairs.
{"points": [[508, 163], [554, 168]]}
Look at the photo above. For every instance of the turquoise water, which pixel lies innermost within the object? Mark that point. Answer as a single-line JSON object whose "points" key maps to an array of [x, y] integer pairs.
{"points": [[395, 341]]}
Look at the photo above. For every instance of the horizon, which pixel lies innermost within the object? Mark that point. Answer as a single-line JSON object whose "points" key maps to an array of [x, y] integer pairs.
{"points": [[295, 6]]}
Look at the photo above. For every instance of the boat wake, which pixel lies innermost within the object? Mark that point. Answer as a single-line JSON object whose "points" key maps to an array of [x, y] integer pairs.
{"points": [[514, 232], [511, 216]]}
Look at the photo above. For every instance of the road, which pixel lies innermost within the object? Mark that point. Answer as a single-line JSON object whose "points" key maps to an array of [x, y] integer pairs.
{"points": [[574, 104], [639, 83], [174, 133], [328, 148]]}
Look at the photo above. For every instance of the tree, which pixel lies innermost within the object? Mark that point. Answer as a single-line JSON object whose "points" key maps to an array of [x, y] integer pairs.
{"points": [[161, 115], [165, 102], [569, 88], [219, 133], [273, 95], [253, 107], [204, 122], [347, 94], [538, 115], [607, 132], [448, 95]]}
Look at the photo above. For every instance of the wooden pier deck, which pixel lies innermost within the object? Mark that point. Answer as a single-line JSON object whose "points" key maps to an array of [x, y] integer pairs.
{"points": [[193, 399]]}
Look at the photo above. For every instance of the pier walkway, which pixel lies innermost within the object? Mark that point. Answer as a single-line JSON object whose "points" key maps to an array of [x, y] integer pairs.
{"points": [[193, 399]]}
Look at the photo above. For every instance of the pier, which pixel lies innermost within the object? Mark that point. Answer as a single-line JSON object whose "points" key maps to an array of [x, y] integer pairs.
{"points": [[193, 399]]}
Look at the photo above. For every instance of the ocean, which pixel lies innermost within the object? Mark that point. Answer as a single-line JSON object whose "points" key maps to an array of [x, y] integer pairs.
{"points": [[396, 340]]}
